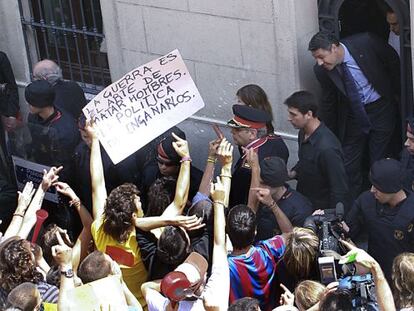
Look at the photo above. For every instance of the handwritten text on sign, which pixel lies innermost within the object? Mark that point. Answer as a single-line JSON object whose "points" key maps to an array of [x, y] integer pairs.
{"points": [[143, 104]]}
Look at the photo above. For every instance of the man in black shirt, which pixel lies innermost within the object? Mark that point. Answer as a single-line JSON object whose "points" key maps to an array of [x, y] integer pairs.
{"points": [[273, 174], [387, 213], [320, 170]]}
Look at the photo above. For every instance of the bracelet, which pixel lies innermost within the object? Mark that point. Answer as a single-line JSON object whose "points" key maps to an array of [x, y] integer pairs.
{"points": [[75, 202], [186, 158], [20, 215], [273, 205], [212, 159], [222, 175], [221, 203]]}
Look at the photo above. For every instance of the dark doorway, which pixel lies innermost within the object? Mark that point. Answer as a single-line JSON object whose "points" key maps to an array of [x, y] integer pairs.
{"points": [[347, 17]]}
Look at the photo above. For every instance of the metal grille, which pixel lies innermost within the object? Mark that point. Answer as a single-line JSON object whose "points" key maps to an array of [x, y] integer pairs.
{"points": [[69, 32]]}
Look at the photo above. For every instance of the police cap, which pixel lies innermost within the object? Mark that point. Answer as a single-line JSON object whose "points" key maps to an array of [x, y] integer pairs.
{"points": [[249, 117]]}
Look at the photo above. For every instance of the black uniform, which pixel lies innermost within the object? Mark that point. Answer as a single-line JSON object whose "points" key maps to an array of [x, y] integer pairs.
{"points": [[320, 170], [53, 139], [268, 146], [390, 230], [407, 165], [293, 204]]}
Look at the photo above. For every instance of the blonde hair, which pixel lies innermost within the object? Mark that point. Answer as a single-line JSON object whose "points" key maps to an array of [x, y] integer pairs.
{"points": [[301, 249], [308, 293], [403, 280]]}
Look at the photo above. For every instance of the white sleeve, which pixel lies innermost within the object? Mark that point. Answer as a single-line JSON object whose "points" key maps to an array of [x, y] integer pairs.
{"points": [[155, 301]]}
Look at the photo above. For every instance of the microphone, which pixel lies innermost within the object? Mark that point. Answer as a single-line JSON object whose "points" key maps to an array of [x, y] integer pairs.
{"points": [[41, 216], [340, 210]]}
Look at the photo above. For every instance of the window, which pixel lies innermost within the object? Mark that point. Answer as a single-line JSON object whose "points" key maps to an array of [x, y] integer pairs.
{"points": [[69, 32]]}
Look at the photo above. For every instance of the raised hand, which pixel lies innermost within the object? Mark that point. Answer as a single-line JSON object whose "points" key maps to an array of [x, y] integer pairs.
{"points": [[181, 146], [217, 192], [50, 177], [213, 148], [287, 298], [264, 196], [251, 157], [61, 252], [25, 197], [225, 152], [357, 255], [65, 189], [188, 222]]}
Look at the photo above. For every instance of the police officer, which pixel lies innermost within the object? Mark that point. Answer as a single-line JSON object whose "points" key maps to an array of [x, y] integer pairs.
{"points": [[407, 156], [248, 128], [387, 213], [274, 175]]}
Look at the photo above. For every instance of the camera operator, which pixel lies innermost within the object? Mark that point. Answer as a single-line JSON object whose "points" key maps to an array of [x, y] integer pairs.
{"points": [[387, 212]]}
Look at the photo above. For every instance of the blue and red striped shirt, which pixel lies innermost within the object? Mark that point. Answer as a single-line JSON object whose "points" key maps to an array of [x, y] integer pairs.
{"points": [[253, 274]]}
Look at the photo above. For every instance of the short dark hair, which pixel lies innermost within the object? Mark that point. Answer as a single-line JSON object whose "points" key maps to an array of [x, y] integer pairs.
{"points": [[322, 40], [337, 300], [24, 297], [49, 239], [94, 267], [241, 226], [244, 304], [303, 101], [160, 195], [173, 247]]}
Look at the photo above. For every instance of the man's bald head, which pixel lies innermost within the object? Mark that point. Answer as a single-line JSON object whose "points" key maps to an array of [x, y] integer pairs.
{"points": [[47, 70]]}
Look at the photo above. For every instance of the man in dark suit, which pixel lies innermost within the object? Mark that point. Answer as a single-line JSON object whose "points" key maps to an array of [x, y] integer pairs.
{"points": [[360, 80]]}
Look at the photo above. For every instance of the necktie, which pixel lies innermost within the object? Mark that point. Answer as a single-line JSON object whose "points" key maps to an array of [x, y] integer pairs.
{"points": [[355, 100]]}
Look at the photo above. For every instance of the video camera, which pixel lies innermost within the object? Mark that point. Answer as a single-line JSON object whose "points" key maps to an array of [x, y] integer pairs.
{"points": [[362, 290], [329, 230]]}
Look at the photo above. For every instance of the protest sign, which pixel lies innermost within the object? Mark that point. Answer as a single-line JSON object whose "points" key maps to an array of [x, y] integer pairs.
{"points": [[143, 104], [29, 171], [103, 294]]}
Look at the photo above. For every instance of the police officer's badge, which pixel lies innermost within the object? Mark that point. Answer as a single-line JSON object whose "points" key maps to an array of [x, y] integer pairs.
{"points": [[398, 234]]}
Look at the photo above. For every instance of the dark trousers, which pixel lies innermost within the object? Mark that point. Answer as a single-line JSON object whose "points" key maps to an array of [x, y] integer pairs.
{"points": [[374, 145]]}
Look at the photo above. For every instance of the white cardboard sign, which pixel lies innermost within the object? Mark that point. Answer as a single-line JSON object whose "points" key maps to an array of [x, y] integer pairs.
{"points": [[143, 104]]}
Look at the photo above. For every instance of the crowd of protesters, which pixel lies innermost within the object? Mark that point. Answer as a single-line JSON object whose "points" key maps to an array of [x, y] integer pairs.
{"points": [[156, 233]]}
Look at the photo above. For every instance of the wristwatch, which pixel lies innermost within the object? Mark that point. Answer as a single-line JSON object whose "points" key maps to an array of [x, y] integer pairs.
{"points": [[68, 273]]}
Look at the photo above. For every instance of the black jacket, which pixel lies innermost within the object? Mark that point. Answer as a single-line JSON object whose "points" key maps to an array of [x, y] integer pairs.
{"points": [[381, 66]]}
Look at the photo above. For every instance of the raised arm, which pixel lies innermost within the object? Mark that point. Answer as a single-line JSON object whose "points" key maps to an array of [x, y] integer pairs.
{"points": [[80, 250], [253, 160], [209, 169], [97, 175], [183, 181], [265, 197], [225, 155], [382, 289], [216, 296], [63, 257], [22, 203], [29, 220]]}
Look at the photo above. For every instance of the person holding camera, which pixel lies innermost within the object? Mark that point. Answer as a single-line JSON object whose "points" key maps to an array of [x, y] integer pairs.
{"points": [[387, 213]]}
